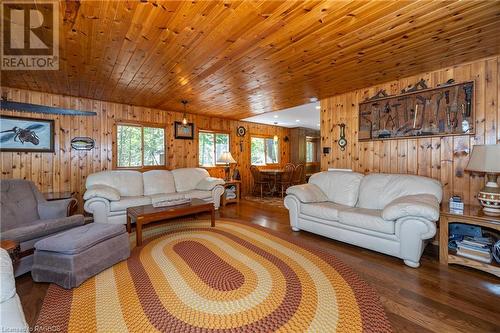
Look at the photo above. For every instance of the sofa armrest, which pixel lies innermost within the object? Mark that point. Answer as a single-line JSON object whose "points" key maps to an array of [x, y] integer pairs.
{"points": [[217, 193], [307, 193], [54, 209], [208, 184], [101, 191], [422, 205], [99, 208]]}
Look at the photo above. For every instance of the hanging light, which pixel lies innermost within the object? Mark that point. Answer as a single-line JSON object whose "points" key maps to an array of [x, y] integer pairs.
{"points": [[275, 138], [184, 116]]}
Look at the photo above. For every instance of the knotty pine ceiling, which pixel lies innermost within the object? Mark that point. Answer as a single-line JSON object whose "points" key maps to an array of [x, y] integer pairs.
{"points": [[235, 59]]}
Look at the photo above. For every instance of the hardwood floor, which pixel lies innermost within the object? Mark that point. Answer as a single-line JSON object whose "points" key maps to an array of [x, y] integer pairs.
{"points": [[432, 298]]}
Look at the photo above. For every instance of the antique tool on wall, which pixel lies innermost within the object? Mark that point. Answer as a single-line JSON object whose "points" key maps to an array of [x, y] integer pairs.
{"points": [[447, 96], [415, 114], [436, 111], [396, 113], [468, 100], [417, 86], [342, 140], [465, 122]]}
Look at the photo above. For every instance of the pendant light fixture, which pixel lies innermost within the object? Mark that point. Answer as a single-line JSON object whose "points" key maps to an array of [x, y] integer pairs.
{"points": [[184, 116]]}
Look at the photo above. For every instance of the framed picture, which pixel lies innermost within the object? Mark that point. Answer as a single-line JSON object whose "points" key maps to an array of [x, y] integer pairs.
{"points": [[182, 131], [19, 134]]}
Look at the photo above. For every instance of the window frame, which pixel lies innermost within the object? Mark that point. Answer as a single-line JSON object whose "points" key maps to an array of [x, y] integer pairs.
{"points": [[214, 132], [142, 125], [265, 149]]}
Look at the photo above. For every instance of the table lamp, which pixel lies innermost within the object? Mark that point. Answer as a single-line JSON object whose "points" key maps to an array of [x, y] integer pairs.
{"points": [[227, 158], [486, 159]]}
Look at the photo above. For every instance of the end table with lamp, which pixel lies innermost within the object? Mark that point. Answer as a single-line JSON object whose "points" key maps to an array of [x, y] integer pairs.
{"points": [[486, 159], [228, 159]]}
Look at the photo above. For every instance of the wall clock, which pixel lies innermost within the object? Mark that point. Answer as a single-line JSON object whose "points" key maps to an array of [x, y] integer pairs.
{"points": [[241, 131], [342, 141]]}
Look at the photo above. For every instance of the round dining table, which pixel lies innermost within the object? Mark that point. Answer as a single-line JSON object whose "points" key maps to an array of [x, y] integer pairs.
{"points": [[274, 174]]}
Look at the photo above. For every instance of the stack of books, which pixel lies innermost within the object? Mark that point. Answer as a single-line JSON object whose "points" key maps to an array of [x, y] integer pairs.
{"points": [[456, 205], [477, 248]]}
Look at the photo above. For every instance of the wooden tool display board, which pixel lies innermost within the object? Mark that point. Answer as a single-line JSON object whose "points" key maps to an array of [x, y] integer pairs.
{"points": [[446, 110]]}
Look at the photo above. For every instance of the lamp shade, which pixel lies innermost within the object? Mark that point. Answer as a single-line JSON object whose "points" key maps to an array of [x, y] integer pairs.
{"points": [[484, 158], [226, 157]]}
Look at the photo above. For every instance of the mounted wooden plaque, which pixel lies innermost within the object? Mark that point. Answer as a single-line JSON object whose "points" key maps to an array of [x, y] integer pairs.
{"points": [[441, 111]]}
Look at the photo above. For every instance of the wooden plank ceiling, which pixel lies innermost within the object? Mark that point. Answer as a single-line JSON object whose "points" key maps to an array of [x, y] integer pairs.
{"points": [[235, 59]]}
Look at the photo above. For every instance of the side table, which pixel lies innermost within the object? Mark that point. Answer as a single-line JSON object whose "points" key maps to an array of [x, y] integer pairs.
{"points": [[473, 215], [12, 247], [231, 183], [51, 196]]}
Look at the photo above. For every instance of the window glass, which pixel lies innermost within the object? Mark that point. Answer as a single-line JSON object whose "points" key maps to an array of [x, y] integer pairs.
{"points": [[257, 151], [129, 146], [271, 151], [206, 149], [154, 146], [310, 150], [221, 145], [211, 147]]}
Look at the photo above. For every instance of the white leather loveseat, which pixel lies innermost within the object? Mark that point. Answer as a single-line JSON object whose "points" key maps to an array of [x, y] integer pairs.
{"points": [[388, 213], [110, 193]]}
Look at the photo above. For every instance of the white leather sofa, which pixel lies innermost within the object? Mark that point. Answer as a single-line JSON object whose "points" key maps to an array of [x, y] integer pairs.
{"points": [[388, 213], [11, 312], [110, 193]]}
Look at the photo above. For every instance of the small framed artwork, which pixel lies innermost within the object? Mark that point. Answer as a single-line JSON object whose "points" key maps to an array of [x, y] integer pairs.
{"points": [[182, 131], [19, 134]]}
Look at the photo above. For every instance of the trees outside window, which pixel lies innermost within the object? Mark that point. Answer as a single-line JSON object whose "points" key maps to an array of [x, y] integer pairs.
{"points": [[211, 145], [139, 146], [263, 151]]}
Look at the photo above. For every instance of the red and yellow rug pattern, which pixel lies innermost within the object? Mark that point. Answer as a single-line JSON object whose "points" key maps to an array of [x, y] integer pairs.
{"points": [[234, 277]]}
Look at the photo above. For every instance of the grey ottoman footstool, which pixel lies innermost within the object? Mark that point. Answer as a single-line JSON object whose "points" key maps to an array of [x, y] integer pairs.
{"points": [[71, 257]]}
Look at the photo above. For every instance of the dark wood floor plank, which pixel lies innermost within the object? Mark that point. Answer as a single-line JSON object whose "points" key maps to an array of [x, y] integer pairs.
{"points": [[432, 298]]}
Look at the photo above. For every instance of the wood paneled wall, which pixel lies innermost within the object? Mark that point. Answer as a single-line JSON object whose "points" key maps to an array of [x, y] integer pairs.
{"points": [[442, 158], [66, 169]]}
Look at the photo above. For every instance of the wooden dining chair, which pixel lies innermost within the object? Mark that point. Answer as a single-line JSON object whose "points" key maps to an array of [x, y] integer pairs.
{"points": [[258, 182], [298, 174], [286, 178]]}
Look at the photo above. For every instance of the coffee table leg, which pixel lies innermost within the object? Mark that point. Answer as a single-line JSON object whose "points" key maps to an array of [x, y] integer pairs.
{"points": [[138, 233], [129, 224], [212, 213]]}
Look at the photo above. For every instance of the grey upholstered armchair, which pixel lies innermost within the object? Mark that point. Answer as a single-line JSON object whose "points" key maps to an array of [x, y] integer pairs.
{"points": [[26, 217]]}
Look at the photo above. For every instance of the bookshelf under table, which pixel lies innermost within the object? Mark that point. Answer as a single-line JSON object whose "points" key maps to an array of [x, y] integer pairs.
{"points": [[472, 215]]}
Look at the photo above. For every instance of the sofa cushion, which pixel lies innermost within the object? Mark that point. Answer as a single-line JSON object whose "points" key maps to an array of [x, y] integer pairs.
{"points": [[158, 182], [341, 187], [370, 219], [197, 194], [7, 282], [421, 205], [187, 178], [322, 210], [126, 202], [307, 193], [155, 198], [18, 203], [127, 182], [102, 191], [378, 190], [41, 228], [79, 239], [208, 183]]}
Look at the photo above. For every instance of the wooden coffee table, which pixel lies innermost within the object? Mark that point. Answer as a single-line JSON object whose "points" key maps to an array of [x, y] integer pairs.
{"points": [[143, 215]]}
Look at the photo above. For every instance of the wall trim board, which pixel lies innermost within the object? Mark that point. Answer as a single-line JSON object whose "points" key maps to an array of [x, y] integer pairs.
{"points": [[442, 158]]}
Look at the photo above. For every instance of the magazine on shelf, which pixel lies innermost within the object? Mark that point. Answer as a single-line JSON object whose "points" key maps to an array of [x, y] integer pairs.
{"points": [[474, 257]]}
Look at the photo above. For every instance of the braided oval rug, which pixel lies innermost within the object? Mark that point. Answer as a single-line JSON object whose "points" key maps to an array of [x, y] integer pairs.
{"points": [[189, 277]]}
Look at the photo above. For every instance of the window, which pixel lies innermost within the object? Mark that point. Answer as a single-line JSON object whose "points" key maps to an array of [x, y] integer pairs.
{"points": [[263, 151], [211, 146], [312, 147], [139, 146]]}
